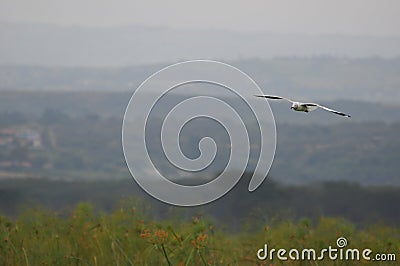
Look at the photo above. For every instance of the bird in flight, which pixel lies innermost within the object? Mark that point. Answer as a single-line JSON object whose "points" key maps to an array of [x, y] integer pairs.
{"points": [[303, 107]]}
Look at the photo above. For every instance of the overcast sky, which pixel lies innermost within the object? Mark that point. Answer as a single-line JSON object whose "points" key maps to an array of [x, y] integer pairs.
{"points": [[370, 17]]}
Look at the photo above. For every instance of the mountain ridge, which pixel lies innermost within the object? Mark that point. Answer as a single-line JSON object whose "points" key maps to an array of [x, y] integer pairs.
{"points": [[54, 45]]}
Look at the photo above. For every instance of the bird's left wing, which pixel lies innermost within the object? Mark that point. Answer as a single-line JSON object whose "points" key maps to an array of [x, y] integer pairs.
{"points": [[310, 106], [329, 109]]}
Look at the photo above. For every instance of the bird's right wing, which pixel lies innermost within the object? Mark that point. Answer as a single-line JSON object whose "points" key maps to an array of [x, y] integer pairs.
{"points": [[273, 97]]}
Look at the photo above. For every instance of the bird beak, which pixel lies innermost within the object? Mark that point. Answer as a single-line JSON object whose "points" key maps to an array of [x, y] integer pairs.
{"points": [[291, 107]]}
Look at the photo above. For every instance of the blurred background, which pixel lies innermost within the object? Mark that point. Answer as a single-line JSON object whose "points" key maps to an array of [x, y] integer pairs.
{"points": [[68, 70]]}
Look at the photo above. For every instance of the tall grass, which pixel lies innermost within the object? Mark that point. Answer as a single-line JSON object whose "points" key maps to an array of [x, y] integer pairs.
{"points": [[126, 237]]}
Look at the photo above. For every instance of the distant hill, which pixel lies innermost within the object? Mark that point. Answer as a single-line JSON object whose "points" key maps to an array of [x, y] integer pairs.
{"points": [[51, 45], [81, 139], [113, 104], [309, 79]]}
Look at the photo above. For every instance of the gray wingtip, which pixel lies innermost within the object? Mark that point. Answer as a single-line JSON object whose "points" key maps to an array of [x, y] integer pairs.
{"points": [[345, 115]]}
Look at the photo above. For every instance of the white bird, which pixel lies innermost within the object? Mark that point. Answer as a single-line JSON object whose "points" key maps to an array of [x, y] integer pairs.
{"points": [[303, 107]]}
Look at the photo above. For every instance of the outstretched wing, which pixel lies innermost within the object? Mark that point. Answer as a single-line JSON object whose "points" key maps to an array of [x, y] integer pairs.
{"points": [[273, 97], [315, 106]]}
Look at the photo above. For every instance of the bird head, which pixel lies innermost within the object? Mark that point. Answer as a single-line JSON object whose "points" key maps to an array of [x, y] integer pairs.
{"points": [[294, 106]]}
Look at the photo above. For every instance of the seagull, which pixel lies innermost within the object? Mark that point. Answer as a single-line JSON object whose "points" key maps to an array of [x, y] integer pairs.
{"points": [[303, 107]]}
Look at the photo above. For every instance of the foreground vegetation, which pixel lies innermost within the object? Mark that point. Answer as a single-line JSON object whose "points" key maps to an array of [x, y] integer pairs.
{"points": [[127, 237]]}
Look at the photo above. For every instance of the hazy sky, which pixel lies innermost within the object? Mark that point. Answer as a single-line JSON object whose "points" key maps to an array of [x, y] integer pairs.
{"points": [[371, 17]]}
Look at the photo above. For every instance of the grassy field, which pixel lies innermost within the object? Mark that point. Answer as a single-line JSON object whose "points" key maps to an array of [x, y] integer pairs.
{"points": [[126, 237]]}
